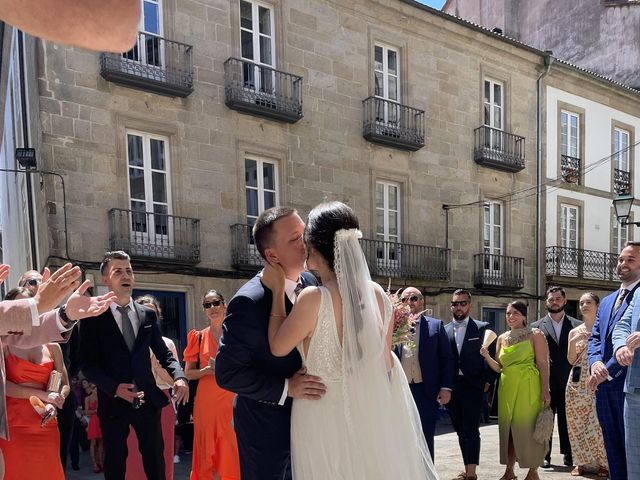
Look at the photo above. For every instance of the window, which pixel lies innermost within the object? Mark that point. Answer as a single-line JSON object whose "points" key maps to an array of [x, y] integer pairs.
{"points": [[495, 317], [387, 221], [387, 83], [149, 49], [493, 104], [570, 134], [261, 182], [569, 236], [257, 44], [620, 235], [621, 164], [149, 192], [492, 235]]}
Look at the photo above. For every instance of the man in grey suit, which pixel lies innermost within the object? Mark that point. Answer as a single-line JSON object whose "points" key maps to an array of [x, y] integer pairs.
{"points": [[556, 326], [626, 340]]}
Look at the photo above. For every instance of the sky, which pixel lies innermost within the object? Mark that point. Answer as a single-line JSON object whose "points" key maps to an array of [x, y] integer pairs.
{"points": [[433, 3]]}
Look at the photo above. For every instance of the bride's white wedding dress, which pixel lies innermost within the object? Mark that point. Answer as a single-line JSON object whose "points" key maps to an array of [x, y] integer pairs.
{"points": [[366, 426]]}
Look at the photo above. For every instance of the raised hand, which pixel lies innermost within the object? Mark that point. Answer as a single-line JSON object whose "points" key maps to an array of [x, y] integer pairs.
{"points": [[4, 272], [54, 288], [80, 306], [273, 277]]}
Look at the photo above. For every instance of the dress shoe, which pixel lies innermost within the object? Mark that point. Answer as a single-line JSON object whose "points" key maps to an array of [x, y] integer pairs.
{"points": [[568, 461], [460, 476], [546, 463]]}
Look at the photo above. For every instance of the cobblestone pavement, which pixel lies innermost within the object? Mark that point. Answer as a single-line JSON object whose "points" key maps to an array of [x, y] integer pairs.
{"points": [[448, 459]]}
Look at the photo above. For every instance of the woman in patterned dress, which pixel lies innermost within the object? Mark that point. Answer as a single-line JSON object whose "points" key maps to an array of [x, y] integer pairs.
{"points": [[587, 445]]}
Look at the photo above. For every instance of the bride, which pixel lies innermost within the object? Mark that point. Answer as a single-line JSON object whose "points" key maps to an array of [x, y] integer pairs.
{"points": [[366, 426]]}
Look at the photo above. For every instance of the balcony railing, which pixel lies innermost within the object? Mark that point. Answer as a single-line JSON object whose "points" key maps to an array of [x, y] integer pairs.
{"points": [[570, 169], [262, 91], [498, 272], [393, 124], [583, 264], [154, 236], [154, 64], [621, 181], [498, 149], [385, 259]]}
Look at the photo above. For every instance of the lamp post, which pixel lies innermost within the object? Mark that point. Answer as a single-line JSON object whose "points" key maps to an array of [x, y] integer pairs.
{"points": [[622, 205]]}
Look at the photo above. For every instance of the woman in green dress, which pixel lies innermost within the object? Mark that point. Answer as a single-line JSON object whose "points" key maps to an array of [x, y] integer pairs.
{"points": [[522, 361]]}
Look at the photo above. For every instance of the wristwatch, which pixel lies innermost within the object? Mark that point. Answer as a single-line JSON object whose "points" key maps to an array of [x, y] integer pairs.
{"points": [[62, 311]]}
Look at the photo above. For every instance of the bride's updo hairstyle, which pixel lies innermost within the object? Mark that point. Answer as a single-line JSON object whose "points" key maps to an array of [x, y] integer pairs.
{"points": [[323, 223]]}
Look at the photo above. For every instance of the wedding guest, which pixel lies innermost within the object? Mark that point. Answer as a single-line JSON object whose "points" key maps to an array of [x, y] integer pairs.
{"points": [[135, 469], [215, 448], [27, 373], [585, 435], [31, 280], [522, 361], [94, 432]]}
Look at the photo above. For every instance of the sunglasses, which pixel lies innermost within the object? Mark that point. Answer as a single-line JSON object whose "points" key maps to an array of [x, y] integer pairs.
{"points": [[215, 303], [412, 298], [462, 303], [32, 282]]}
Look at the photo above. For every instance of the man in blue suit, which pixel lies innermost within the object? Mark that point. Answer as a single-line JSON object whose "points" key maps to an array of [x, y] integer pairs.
{"points": [[607, 376], [265, 384], [626, 340], [471, 378], [428, 365]]}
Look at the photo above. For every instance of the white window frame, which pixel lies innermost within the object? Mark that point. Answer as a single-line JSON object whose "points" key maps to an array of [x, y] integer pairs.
{"points": [[388, 251], [621, 142], [495, 245], [565, 132], [619, 235], [257, 83], [139, 50], [390, 113], [492, 105], [148, 187], [260, 162], [569, 258]]}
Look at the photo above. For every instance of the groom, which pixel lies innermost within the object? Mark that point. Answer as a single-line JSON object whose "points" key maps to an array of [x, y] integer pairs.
{"points": [[265, 384]]}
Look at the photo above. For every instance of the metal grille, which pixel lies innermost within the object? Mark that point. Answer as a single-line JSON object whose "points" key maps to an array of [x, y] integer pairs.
{"points": [[498, 148], [621, 181], [570, 169], [578, 263], [498, 271], [389, 122]]}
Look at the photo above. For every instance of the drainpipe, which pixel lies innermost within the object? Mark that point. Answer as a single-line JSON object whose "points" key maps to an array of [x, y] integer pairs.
{"points": [[548, 61]]}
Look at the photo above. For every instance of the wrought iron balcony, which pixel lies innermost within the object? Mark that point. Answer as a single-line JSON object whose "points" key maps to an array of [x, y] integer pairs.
{"points": [[154, 64], [621, 181], [582, 264], [390, 123], [570, 169], [404, 260], [385, 259], [155, 236], [498, 149], [262, 91], [498, 272]]}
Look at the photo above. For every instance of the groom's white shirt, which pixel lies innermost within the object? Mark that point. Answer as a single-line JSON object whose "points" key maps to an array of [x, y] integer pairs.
{"points": [[289, 290]]}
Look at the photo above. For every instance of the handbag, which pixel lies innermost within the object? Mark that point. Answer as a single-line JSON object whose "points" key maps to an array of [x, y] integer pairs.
{"points": [[544, 426]]}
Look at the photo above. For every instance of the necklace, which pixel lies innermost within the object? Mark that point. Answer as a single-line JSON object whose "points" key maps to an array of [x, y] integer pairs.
{"points": [[517, 335]]}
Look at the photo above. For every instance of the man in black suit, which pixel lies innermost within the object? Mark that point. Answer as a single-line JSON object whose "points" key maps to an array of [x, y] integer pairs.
{"points": [[429, 367], [265, 384], [114, 354], [556, 326], [470, 382]]}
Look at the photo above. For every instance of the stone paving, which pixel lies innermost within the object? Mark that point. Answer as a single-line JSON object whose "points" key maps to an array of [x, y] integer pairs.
{"points": [[448, 459]]}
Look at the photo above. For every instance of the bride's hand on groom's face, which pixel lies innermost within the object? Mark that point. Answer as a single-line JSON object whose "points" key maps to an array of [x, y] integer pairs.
{"points": [[273, 277], [306, 386]]}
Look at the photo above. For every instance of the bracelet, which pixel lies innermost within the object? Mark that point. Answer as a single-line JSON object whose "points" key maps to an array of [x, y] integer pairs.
{"points": [[277, 316]]}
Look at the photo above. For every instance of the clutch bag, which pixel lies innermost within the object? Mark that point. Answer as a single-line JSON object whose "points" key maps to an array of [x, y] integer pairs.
{"points": [[544, 426]]}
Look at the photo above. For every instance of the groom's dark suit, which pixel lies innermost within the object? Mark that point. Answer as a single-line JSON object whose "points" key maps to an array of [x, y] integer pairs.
{"points": [[244, 365], [106, 361]]}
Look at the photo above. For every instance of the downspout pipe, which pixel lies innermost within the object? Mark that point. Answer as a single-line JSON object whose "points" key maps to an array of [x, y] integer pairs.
{"points": [[548, 61]]}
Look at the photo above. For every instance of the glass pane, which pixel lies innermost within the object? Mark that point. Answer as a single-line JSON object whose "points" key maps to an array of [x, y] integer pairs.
{"points": [[496, 239], [136, 182], [380, 222], [264, 15], [487, 213], [393, 197], [268, 176], [151, 18], [487, 114], [497, 214], [392, 61], [161, 220], [157, 154], [497, 94], [487, 91], [246, 15], [247, 45], [251, 173], [379, 195], [252, 202], [393, 223], [159, 187], [135, 150], [393, 88], [138, 217], [378, 58], [486, 235], [269, 199], [379, 92], [265, 51], [497, 118]]}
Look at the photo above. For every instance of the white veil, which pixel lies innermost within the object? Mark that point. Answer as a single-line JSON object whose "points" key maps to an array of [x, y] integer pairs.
{"points": [[383, 425]]}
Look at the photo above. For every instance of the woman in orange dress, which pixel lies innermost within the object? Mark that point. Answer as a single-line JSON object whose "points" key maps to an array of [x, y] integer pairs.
{"points": [[32, 450], [215, 450], [94, 434]]}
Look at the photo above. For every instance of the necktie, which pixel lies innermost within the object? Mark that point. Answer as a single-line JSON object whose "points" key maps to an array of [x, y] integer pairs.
{"points": [[620, 299], [127, 329]]}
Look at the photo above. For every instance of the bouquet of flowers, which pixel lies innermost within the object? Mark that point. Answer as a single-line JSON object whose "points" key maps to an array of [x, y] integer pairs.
{"points": [[403, 322]]}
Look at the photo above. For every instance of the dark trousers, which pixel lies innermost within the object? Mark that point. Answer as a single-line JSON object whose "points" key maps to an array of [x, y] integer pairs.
{"points": [[428, 410], [66, 418], [115, 430], [465, 409], [610, 409], [74, 444], [558, 407]]}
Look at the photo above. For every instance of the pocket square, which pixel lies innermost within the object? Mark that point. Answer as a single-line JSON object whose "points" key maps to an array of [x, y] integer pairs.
{"points": [[147, 326], [474, 338]]}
